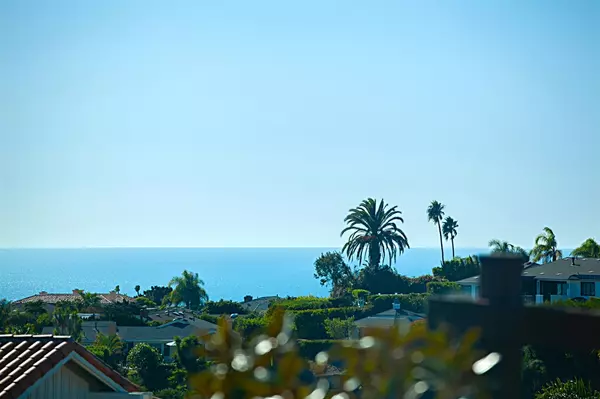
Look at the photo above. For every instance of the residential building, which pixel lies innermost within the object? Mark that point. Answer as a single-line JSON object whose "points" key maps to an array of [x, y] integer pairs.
{"points": [[55, 367], [52, 299], [568, 278], [260, 305], [160, 337], [386, 319]]}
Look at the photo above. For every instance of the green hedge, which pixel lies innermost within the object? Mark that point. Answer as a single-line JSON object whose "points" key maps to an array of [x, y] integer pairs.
{"points": [[442, 287], [309, 302], [249, 326], [308, 349], [310, 324], [224, 307], [413, 302]]}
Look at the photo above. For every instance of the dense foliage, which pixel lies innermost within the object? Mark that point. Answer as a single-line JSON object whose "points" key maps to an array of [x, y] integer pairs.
{"points": [[443, 287], [222, 307], [458, 268], [337, 328], [573, 389], [331, 270], [374, 233], [189, 290]]}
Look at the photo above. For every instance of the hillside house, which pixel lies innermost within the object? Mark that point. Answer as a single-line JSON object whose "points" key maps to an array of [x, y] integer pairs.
{"points": [[568, 278]]}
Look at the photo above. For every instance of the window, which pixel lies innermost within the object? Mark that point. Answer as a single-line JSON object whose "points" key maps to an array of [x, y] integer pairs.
{"points": [[588, 289]]}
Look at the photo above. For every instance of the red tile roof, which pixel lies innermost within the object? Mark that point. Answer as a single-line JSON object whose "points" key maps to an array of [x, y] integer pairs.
{"points": [[24, 359], [45, 297]]}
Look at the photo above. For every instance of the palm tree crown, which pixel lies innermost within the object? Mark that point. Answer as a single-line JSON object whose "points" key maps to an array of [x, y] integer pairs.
{"points": [[498, 246], [588, 249], [435, 214], [189, 290], [374, 229], [546, 247], [449, 231]]}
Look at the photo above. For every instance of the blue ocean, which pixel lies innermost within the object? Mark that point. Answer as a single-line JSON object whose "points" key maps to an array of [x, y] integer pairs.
{"points": [[228, 273]]}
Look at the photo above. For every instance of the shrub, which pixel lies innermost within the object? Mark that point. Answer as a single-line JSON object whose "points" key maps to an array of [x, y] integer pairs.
{"points": [[338, 328], [413, 302], [249, 326], [308, 349], [224, 307], [574, 389], [310, 324], [360, 294], [209, 318], [442, 287], [143, 301]]}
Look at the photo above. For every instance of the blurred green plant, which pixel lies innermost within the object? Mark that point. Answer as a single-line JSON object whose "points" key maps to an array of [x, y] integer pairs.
{"points": [[409, 362], [573, 389]]}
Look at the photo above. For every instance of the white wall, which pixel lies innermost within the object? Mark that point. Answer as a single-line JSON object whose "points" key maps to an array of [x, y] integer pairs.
{"points": [[62, 384]]}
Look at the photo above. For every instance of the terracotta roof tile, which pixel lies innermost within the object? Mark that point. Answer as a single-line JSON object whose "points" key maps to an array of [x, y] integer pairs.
{"points": [[54, 298], [24, 359]]}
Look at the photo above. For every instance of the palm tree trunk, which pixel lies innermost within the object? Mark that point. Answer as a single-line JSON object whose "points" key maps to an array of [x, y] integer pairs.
{"points": [[452, 239], [441, 242]]}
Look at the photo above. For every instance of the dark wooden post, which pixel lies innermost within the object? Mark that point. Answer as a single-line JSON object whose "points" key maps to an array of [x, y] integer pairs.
{"points": [[501, 288]]}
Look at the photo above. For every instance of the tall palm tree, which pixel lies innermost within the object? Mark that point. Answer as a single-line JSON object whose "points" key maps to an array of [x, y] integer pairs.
{"points": [[89, 300], [374, 230], [588, 249], [505, 247], [546, 247], [137, 290], [435, 214], [449, 230], [188, 289]]}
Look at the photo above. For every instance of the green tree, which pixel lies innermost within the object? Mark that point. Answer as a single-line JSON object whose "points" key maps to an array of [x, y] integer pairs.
{"points": [[36, 308], [5, 311], [137, 290], [67, 323], [188, 353], [89, 300], [498, 246], [188, 290], [339, 328], [435, 214], [546, 247], [374, 229], [157, 293], [588, 249], [331, 270], [145, 362], [458, 268], [449, 230], [117, 289], [109, 348]]}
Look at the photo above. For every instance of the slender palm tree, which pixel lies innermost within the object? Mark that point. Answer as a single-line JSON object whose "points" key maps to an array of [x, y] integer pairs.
{"points": [[588, 249], [89, 300], [546, 247], [449, 230], [137, 290], [189, 289], [374, 233], [111, 342], [435, 214], [505, 247]]}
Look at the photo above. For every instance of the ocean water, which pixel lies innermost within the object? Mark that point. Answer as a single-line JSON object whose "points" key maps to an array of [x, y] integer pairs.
{"points": [[228, 273]]}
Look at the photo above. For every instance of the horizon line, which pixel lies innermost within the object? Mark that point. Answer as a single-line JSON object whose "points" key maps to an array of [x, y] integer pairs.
{"points": [[215, 247]]}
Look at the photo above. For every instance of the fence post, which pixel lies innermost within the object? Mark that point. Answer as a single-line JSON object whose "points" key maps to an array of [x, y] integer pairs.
{"points": [[501, 287]]}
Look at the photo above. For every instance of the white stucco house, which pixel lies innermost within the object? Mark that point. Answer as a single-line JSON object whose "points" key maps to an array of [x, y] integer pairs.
{"points": [[567, 278]]}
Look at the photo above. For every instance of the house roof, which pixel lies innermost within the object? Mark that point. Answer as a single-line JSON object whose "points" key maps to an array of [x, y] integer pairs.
{"points": [[25, 359], [50, 298], [387, 318], [259, 304], [562, 269], [166, 332]]}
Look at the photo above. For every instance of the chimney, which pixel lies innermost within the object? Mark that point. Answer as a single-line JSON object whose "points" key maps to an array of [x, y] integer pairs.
{"points": [[572, 261], [77, 292]]}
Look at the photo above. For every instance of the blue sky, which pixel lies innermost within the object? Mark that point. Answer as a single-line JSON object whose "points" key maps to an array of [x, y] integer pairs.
{"points": [[238, 123]]}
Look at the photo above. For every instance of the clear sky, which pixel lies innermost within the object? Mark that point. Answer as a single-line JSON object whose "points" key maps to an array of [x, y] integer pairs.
{"points": [[260, 123]]}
